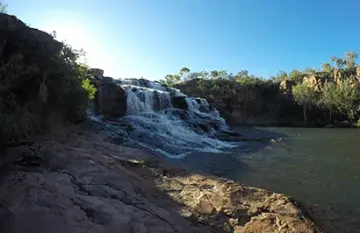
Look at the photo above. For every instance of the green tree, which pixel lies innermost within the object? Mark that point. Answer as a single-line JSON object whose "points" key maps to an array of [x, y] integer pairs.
{"points": [[184, 71], [204, 75], [347, 98], [172, 79], [89, 88], [326, 67], [328, 98], [242, 74], [282, 75], [309, 71], [222, 74], [3, 7], [304, 96], [296, 76], [339, 62], [214, 74], [350, 59]]}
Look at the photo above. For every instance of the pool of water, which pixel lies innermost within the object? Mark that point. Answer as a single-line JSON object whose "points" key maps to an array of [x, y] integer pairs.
{"points": [[317, 166]]}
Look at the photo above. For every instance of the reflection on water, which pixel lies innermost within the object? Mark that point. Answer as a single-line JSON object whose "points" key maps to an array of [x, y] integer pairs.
{"points": [[318, 166]]}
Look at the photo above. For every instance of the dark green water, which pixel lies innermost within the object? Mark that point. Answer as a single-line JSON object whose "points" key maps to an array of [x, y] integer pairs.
{"points": [[317, 166]]}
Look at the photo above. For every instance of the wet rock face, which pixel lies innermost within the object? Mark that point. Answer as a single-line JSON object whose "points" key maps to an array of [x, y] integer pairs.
{"points": [[179, 102], [111, 99], [87, 185]]}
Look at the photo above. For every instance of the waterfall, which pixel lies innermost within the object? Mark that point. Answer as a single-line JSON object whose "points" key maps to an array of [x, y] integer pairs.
{"points": [[192, 105], [153, 124], [141, 100], [197, 105]]}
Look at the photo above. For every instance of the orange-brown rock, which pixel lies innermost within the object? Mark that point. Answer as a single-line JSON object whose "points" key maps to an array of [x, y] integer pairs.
{"points": [[286, 85], [315, 82], [358, 72]]}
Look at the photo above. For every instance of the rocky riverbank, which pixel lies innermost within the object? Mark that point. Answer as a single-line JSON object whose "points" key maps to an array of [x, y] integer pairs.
{"points": [[84, 184]]}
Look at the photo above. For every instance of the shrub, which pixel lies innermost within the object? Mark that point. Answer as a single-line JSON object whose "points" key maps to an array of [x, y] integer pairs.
{"points": [[89, 88]]}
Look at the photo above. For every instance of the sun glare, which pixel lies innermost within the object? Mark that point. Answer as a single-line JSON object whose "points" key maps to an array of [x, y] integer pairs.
{"points": [[79, 36]]}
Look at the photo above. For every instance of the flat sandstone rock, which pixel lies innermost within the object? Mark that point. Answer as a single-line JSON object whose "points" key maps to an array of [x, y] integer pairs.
{"points": [[87, 185]]}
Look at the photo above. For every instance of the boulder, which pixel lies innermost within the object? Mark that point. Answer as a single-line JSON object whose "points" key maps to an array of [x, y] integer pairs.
{"points": [[97, 72], [315, 82], [353, 75], [338, 76], [358, 72], [179, 102], [286, 85], [111, 99]]}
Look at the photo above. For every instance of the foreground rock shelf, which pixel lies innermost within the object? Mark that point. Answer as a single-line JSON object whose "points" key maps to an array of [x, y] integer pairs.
{"points": [[84, 184]]}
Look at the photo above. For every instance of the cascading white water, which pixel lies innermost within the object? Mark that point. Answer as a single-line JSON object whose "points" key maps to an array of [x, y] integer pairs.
{"points": [[151, 122], [164, 100], [171, 136], [134, 104], [145, 100], [201, 107]]}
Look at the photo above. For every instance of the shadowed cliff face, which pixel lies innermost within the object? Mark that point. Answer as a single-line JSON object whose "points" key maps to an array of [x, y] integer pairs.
{"points": [[261, 104], [252, 101], [84, 184]]}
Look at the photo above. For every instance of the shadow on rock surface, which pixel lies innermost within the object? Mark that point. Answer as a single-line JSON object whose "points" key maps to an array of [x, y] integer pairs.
{"points": [[87, 185]]}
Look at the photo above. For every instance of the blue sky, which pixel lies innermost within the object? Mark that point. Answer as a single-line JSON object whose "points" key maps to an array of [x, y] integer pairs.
{"points": [[134, 38]]}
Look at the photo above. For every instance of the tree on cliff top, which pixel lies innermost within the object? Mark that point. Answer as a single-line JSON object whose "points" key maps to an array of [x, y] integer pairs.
{"points": [[3, 7], [171, 79], [296, 76], [349, 61], [304, 96], [327, 68], [184, 71]]}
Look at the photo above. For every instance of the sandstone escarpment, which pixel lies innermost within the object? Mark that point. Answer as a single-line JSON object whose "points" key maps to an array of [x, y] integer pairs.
{"points": [[246, 104]]}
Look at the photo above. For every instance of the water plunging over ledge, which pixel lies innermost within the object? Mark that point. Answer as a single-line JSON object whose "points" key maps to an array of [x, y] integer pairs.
{"points": [[153, 123]]}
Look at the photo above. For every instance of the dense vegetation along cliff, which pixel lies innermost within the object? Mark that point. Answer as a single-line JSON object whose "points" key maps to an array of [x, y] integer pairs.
{"points": [[310, 97], [76, 179], [40, 82]]}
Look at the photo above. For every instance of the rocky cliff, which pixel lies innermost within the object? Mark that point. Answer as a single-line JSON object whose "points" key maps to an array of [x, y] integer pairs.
{"points": [[246, 104], [269, 102]]}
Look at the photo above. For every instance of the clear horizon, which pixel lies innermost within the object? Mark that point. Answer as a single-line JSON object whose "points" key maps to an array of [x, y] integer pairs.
{"points": [[133, 39]]}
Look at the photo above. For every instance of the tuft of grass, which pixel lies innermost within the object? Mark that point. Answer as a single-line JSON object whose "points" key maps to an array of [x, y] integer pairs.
{"points": [[357, 124]]}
